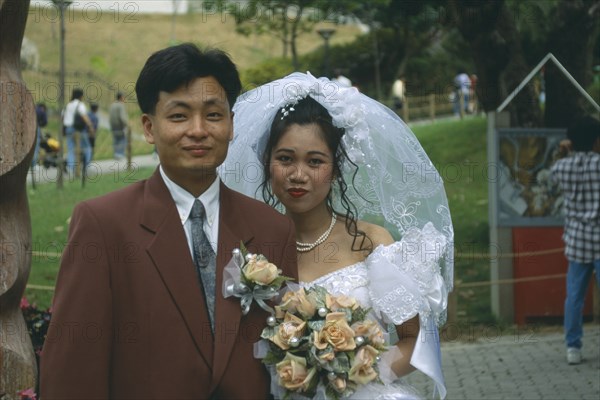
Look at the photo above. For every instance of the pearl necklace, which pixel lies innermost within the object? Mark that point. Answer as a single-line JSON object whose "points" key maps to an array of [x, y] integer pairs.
{"points": [[304, 247]]}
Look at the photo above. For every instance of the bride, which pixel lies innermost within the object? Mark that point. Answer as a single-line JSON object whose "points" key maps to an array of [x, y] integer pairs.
{"points": [[370, 211]]}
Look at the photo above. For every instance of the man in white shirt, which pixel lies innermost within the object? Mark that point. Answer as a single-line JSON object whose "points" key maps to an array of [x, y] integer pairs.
{"points": [[143, 306], [77, 123]]}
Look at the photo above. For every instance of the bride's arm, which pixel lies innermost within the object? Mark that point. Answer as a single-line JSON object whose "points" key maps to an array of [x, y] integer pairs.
{"points": [[408, 331], [407, 334]]}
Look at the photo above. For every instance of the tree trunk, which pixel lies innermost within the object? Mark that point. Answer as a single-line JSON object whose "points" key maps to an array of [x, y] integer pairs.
{"points": [[571, 41], [17, 137], [285, 34], [293, 37], [490, 52]]}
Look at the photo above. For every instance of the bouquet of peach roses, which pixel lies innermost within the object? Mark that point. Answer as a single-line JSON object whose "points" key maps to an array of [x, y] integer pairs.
{"points": [[321, 345]]}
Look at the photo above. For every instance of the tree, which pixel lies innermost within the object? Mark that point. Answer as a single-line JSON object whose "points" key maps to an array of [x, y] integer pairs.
{"points": [[284, 19], [498, 56], [400, 31], [498, 31], [416, 27], [575, 26]]}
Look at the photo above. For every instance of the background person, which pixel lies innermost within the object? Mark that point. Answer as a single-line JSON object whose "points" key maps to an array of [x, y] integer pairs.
{"points": [[399, 93], [42, 122], [76, 122], [93, 116], [462, 84], [119, 123], [578, 176], [341, 80]]}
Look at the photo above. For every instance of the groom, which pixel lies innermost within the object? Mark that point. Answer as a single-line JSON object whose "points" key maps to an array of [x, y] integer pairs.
{"points": [[138, 310]]}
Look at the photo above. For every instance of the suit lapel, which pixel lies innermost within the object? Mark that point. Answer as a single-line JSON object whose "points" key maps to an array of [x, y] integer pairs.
{"points": [[228, 313], [171, 256]]}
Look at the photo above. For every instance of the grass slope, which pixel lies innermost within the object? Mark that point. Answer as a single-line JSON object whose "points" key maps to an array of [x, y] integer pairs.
{"points": [[458, 150], [115, 45]]}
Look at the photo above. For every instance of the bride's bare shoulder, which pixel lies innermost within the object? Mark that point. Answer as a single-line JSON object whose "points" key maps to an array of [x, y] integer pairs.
{"points": [[377, 234]]}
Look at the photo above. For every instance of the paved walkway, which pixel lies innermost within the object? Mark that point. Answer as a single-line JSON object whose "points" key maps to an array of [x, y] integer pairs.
{"points": [[49, 175], [522, 365]]}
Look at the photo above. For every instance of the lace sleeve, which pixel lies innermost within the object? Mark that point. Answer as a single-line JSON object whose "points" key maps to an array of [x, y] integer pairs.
{"points": [[405, 277]]}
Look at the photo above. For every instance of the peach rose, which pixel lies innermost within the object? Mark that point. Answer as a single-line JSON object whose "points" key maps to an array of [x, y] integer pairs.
{"points": [[291, 326], [335, 332], [327, 356], [362, 371], [371, 331], [300, 302], [260, 270], [339, 384], [337, 302], [293, 374]]}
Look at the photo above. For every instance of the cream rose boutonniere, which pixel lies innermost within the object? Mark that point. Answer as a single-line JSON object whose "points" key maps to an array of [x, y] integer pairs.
{"points": [[259, 270], [251, 277]]}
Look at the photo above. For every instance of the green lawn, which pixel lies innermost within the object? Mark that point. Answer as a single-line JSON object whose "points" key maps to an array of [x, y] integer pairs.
{"points": [[457, 148], [50, 213]]}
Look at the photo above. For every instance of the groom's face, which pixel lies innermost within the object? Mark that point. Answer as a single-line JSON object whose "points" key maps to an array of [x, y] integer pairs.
{"points": [[191, 128]]}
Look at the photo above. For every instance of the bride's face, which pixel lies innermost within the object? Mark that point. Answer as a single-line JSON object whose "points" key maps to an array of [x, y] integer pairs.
{"points": [[301, 168]]}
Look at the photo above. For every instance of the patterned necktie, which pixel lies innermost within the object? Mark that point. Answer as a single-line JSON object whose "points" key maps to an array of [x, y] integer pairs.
{"points": [[204, 258]]}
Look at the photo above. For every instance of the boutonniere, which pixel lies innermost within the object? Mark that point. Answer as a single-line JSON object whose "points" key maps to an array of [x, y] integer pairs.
{"points": [[251, 277]]}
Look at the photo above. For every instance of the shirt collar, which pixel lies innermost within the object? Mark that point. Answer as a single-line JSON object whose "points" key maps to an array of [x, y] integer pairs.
{"points": [[184, 199]]}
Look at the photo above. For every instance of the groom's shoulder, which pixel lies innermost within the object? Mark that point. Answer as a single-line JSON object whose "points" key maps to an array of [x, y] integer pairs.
{"points": [[125, 195], [255, 209]]}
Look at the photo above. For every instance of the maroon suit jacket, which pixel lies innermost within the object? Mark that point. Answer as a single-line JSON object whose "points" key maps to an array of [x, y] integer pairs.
{"points": [[129, 318]]}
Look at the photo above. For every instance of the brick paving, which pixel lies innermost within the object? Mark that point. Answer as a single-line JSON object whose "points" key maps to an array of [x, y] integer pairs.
{"points": [[521, 365]]}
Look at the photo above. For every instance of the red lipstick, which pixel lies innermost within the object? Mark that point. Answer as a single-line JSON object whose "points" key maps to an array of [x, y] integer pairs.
{"points": [[297, 192]]}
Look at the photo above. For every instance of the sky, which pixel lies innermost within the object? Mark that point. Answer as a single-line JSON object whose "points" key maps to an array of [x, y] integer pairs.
{"points": [[141, 6]]}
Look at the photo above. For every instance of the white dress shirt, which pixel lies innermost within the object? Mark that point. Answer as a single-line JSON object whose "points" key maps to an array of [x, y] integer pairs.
{"points": [[184, 202]]}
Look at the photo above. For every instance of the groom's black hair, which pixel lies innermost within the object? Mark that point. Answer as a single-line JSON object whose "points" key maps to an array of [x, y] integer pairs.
{"points": [[169, 69]]}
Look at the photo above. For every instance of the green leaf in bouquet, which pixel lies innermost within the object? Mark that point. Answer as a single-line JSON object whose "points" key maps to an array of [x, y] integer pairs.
{"points": [[316, 326], [319, 295], [243, 249], [268, 332], [243, 278], [273, 357], [279, 281], [304, 347], [348, 313], [360, 314], [351, 355], [311, 389], [316, 354], [341, 363], [311, 356]]}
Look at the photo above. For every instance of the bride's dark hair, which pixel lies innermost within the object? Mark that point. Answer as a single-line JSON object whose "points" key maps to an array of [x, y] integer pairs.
{"points": [[309, 111]]}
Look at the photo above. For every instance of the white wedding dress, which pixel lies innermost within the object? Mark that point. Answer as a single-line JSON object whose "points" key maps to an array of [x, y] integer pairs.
{"points": [[399, 281]]}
